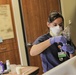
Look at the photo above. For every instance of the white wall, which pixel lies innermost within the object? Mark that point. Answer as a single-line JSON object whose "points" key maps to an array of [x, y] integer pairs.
{"points": [[19, 33], [69, 12]]}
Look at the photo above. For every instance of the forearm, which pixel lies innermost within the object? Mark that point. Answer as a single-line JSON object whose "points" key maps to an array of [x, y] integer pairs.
{"points": [[37, 49], [72, 55]]}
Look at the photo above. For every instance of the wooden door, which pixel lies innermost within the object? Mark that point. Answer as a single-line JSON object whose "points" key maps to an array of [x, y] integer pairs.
{"points": [[9, 47], [35, 14]]}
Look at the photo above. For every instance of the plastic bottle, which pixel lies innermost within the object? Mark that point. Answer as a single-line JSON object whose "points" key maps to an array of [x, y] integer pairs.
{"points": [[8, 65]]}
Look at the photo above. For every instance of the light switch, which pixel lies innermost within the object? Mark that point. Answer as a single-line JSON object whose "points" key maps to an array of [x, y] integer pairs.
{"points": [[70, 22]]}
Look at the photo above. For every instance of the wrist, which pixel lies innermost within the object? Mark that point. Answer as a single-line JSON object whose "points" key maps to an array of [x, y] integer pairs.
{"points": [[52, 40]]}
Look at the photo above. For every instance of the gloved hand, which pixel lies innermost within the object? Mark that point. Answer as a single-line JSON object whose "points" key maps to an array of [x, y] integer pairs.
{"points": [[58, 39], [68, 48]]}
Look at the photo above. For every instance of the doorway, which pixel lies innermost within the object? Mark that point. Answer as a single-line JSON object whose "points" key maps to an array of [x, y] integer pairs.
{"points": [[35, 14]]}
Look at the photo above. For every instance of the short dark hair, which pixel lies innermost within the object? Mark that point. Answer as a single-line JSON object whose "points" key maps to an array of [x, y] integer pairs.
{"points": [[54, 15]]}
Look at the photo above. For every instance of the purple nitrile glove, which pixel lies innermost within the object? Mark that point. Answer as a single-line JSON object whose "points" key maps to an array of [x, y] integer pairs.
{"points": [[58, 39], [1, 67], [68, 48]]}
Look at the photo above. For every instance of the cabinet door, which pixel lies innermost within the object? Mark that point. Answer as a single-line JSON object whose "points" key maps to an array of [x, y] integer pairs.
{"points": [[35, 14], [9, 47]]}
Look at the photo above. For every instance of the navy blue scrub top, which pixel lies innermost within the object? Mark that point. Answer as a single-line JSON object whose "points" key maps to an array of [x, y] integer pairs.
{"points": [[49, 56]]}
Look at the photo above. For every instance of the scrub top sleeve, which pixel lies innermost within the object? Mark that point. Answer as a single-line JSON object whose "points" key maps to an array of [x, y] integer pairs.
{"points": [[38, 40], [72, 44]]}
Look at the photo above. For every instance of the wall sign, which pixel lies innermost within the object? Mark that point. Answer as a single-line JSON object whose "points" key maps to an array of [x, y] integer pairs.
{"points": [[6, 29]]}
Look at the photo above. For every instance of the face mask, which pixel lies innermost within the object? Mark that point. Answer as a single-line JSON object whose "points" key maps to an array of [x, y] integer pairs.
{"points": [[56, 30]]}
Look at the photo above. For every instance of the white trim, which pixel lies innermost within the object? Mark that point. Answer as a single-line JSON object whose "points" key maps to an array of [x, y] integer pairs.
{"points": [[19, 33]]}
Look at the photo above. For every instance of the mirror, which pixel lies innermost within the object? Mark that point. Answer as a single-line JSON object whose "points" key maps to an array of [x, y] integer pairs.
{"points": [[35, 14]]}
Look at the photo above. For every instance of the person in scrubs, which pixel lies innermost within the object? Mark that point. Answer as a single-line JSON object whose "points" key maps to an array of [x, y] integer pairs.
{"points": [[53, 47]]}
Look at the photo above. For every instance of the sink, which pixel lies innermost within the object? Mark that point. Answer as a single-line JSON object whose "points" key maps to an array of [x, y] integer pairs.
{"points": [[66, 68]]}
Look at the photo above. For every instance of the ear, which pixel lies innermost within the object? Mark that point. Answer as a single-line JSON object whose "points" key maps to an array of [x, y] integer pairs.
{"points": [[48, 24]]}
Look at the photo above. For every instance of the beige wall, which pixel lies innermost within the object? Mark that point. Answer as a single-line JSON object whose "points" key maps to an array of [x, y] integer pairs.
{"points": [[69, 12]]}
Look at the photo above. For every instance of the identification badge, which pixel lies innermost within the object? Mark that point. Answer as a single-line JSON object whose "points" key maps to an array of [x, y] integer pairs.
{"points": [[61, 54]]}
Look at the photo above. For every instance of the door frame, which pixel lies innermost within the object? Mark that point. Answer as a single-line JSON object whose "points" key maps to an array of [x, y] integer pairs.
{"points": [[19, 32], [23, 29], [24, 32]]}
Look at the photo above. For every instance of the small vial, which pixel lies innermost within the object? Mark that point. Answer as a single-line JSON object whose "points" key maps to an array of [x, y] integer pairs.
{"points": [[8, 65]]}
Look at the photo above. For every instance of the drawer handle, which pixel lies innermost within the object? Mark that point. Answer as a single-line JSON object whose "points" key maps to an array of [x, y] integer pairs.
{"points": [[3, 48]]}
